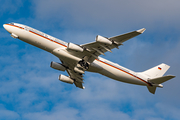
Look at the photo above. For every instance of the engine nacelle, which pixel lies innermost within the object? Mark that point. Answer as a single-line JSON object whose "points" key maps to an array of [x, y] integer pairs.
{"points": [[66, 79], [102, 39], [74, 47], [57, 66]]}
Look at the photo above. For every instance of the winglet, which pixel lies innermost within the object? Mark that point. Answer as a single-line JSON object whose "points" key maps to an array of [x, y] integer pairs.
{"points": [[141, 30]]}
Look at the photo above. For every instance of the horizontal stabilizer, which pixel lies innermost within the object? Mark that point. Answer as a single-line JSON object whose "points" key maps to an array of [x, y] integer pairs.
{"points": [[156, 82], [160, 80]]}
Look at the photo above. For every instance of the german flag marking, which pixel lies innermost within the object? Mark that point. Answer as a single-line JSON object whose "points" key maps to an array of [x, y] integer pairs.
{"points": [[159, 68]]}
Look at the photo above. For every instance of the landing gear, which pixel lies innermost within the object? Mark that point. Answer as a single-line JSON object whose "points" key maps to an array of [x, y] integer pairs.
{"points": [[83, 64]]}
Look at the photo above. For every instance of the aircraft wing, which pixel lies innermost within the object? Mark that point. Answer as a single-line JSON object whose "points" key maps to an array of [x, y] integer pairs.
{"points": [[92, 51], [103, 45]]}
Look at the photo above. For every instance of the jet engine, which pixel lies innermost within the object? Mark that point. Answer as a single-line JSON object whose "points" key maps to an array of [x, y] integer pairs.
{"points": [[74, 47], [103, 40], [57, 66], [66, 79]]}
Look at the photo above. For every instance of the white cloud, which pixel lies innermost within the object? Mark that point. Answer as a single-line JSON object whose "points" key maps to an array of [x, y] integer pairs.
{"points": [[109, 16], [60, 111], [9, 115], [168, 111]]}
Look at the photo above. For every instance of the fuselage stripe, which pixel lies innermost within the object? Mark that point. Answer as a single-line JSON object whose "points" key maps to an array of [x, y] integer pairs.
{"points": [[124, 72], [40, 35]]}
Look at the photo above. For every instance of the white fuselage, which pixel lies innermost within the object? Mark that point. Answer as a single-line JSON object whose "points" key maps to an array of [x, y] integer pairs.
{"points": [[58, 48]]}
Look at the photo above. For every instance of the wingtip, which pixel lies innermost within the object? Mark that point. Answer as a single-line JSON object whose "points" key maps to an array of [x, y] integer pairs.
{"points": [[172, 76], [141, 30]]}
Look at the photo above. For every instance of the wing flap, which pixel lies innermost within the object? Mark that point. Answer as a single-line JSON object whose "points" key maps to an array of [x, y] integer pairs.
{"points": [[79, 85], [78, 78]]}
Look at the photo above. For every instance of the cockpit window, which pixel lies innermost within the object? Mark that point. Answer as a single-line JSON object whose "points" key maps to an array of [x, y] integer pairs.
{"points": [[11, 23]]}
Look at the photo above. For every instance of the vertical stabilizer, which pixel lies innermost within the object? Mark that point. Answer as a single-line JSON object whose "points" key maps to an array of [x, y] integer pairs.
{"points": [[157, 71]]}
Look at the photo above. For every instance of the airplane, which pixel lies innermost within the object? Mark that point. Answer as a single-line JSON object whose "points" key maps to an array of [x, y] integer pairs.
{"points": [[76, 59]]}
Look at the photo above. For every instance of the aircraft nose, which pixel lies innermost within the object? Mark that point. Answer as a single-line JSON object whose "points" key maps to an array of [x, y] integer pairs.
{"points": [[6, 27]]}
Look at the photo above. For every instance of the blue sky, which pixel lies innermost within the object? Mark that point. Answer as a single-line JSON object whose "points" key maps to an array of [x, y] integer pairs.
{"points": [[30, 89]]}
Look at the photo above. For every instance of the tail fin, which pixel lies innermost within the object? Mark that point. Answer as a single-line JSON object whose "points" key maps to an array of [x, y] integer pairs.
{"points": [[154, 76], [157, 71]]}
